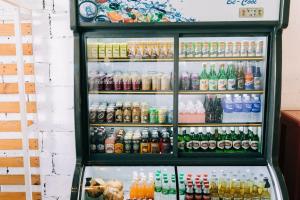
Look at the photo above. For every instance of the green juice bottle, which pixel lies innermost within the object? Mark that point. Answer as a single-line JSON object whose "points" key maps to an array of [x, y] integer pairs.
{"points": [[213, 78], [204, 78], [232, 78], [222, 78]]}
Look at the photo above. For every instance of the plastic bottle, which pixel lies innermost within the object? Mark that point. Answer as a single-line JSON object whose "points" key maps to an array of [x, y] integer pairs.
{"points": [[165, 189], [247, 107], [181, 189], [256, 109], [228, 109], [249, 79], [238, 108]]}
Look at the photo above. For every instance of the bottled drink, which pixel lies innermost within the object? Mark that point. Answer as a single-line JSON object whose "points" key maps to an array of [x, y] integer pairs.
{"points": [[128, 141], [119, 144], [185, 81], [212, 141], [100, 140], [249, 79], [110, 142], [254, 141], [188, 142], [181, 141], [245, 139], [157, 188], [165, 189], [172, 190], [256, 108], [93, 143], [228, 140], [136, 140], [209, 112], [236, 140], [189, 193], [218, 113], [155, 142], [222, 78], [198, 192], [213, 78], [265, 195], [240, 79], [247, 106], [206, 192], [195, 139], [232, 79], [257, 79], [221, 140], [195, 81], [255, 194], [204, 141], [181, 190], [247, 190], [166, 144], [204, 78]]}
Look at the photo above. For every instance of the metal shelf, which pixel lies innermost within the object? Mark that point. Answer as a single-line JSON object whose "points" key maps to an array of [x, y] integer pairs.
{"points": [[131, 125], [131, 60], [260, 58], [132, 92], [218, 124], [221, 92]]}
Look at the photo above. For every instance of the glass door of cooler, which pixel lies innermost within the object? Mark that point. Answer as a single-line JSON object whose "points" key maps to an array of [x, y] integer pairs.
{"points": [[129, 183], [221, 94], [130, 95]]}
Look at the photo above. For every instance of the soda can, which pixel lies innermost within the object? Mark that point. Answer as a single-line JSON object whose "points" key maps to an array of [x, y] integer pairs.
{"points": [[182, 50], [214, 49], [245, 49], [190, 49], [229, 49], [198, 49], [252, 49], [259, 48], [237, 49], [205, 49], [221, 49]]}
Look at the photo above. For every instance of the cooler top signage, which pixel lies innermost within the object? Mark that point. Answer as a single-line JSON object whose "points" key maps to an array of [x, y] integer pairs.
{"points": [[165, 11]]}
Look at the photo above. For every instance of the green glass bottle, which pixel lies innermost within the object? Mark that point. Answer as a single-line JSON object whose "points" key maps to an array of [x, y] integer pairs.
{"points": [[245, 140], [181, 141], [204, 78], [204, 142], [228, 140], [195, 139], [232, 79], [213, 78], [212, 140], [222, 78], [188, 142], [221, 139], [236, 140], [254, 141]]}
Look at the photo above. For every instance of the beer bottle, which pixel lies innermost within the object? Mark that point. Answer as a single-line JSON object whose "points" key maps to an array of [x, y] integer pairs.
{"points": [[228, 140], [181, 142], [195, 139], [255, 194], [212, 141], [155, 142], [222, 78], [213, 78], [218, 111], [204, 78], [204, 141], [231, 83], [221, 140], [166, 142], [254, 141], [240, 78], [209, 112], [245, 139], [236, 140], [188, 142]]}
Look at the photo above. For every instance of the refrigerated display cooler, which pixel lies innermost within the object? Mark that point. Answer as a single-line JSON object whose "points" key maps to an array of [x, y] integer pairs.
{"points": [[177, 99]]}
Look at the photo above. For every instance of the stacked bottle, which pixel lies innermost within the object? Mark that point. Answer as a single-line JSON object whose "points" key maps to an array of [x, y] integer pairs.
{"points": [[165, 186], [221, 139]]}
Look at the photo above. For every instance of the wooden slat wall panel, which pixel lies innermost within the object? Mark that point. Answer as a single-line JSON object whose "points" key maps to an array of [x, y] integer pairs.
{"points": [[19, 179], [7, 30], [7, 49], [14, 107], [12, 88], [18, 162], [19, 196], [11, 69], [16, 144], [26, 28]]}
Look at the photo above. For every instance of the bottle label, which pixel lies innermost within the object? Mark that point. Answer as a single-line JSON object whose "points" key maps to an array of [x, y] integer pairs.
{"points": [[204, 145], [119, 118], [240, 83], [101, 116], [221, 144], [144, 147], [254, 145], [93, 116], [196, 144], [100, 147], [256, 107], [231, 84], [236, 144], [228, 144], [204, 84], [189, 145], [212, 144], [257, 83], [222, 84], [249, 84], [154, 147], [213, 84], [119, 147], [109, 148], [110, 117], [245, 144], [181, 145]]}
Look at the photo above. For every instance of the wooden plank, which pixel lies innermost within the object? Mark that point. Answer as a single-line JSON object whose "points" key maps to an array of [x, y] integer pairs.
{"points": [[26, 28], [19, 196], [28, 69], [9, 107], [18, 162], [7, 30], [16, 144], [10, 126], [27, 49], [12, 88], [19, 179], [7, 49]]}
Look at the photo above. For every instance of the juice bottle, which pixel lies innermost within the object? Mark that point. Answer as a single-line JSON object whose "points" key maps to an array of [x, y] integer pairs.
{"points": [[145, 143], [257, 78], [155, 142], [198, 191], [189, 193], [240, 78], [110, 142], [254, 194], [222, 185], [249, 79]]}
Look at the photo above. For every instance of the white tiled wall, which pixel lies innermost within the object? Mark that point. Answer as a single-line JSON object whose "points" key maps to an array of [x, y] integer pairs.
{"points": [[53, 50]]}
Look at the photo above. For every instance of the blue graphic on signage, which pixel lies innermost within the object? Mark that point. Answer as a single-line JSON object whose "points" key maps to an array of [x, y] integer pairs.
{"points": [[130, 11], [241, 2]]}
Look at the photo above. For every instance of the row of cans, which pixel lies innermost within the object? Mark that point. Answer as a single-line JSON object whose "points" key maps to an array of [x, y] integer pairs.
{"points": [[222, 49]]}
